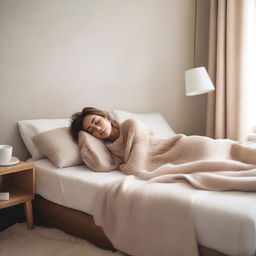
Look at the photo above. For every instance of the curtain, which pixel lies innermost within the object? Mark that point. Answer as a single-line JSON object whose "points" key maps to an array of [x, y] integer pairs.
{"points": [[226, 106]]}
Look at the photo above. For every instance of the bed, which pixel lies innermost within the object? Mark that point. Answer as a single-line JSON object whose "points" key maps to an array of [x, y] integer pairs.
{"points": [[225, 222]]}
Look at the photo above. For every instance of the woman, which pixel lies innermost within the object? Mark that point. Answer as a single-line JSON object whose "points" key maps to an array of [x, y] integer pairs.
{"points": [[101, 125], [140, 151]]}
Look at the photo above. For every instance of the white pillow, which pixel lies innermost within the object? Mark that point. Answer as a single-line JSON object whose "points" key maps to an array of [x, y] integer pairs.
{"points": [[155, 122], [29, 128]]}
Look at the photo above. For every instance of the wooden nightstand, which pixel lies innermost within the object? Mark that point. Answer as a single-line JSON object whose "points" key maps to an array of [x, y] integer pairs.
{"points": [[19, 181]]}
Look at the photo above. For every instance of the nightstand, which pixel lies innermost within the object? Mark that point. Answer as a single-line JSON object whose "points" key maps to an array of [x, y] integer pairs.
{"points": [[19, 181]]}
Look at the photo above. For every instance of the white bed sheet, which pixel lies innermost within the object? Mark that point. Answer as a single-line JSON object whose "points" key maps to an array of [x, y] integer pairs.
{"points": [[224, 221], [74, 187]]}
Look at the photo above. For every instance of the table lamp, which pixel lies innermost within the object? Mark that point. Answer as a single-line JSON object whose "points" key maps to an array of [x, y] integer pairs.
{"points": [[197, 81]]}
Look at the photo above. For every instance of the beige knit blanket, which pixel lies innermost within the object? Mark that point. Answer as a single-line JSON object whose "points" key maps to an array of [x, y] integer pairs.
{"points": [[204, 162], [148, 219], [144, 217]]}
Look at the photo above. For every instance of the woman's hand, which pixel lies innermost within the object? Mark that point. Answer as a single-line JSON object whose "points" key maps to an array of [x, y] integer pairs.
{"points": [[116, 161], [128, 169]]}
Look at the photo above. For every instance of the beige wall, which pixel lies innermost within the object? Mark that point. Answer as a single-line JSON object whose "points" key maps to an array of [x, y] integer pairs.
{"points": [[58, 56]]}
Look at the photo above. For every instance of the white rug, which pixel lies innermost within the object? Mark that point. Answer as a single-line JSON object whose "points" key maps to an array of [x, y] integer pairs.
{"points": [[18, 240]]}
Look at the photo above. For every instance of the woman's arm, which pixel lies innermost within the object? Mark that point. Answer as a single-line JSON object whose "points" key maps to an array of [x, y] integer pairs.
{"points": [[136, 147], [95, 154]]}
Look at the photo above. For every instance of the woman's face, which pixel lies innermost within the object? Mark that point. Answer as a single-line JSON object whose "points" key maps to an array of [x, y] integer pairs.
{"points": [[98, 126]]}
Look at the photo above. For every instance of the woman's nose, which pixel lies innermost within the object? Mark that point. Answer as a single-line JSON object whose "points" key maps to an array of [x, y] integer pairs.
{"points": [[98, 128]]}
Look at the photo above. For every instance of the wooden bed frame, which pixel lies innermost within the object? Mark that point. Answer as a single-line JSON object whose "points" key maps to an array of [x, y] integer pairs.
{"points": [[80, 224]]}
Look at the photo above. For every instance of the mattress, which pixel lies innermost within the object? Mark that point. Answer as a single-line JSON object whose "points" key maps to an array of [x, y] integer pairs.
{"points": [[224, 221]]}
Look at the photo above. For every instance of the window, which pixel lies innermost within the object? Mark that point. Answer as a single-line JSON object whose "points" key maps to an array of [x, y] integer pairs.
{"points": [[251, 71]]}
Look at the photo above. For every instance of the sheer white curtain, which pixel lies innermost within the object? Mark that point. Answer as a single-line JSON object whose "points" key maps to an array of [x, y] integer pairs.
{"points": [[251, 71]]}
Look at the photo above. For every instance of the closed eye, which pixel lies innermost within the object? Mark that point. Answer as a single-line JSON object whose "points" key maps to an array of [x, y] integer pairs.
{"points": [[91, 129]]}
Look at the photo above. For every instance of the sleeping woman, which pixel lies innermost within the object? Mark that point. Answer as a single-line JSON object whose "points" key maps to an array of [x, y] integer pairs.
{"points": [[136, 150]]}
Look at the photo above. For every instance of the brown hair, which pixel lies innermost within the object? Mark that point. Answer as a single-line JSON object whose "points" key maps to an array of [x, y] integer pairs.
{"points": [[77, 120]]}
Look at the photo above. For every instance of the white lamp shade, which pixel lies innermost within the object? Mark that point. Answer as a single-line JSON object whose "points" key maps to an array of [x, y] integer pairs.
{"points": [[197, 81]]}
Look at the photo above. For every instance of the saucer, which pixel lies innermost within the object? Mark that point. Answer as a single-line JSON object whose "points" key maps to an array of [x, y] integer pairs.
{"points": [[14, 160]]}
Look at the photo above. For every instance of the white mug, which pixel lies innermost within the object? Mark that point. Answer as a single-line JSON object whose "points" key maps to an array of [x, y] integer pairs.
{"points": [[5, 153]]}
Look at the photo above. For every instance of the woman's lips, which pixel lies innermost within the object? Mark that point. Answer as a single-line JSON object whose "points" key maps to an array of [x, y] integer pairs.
{"points": [[103, 133]]}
